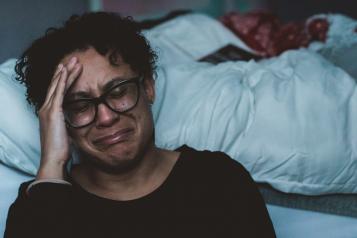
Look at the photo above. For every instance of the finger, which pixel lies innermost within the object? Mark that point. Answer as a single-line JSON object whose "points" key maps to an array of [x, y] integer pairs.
{"points": [[58, 70], [72, 62], [53, 84], [71, 82], [62, 77], [73, 76], [60, 88], [55, 75]]}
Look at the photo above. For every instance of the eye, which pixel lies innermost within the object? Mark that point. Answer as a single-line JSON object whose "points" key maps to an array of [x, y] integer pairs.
{"points": [[77, 107], [118, 92]]}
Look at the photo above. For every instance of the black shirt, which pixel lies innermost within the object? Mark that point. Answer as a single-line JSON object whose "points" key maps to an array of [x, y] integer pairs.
{"points": [[207, 194]]}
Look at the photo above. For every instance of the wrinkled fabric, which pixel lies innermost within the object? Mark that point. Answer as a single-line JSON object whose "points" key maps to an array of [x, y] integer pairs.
{"points": [[290, 120]]}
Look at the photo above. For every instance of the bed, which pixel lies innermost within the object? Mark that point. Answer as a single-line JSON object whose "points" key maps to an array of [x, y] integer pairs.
{"points": [[288, 119]]}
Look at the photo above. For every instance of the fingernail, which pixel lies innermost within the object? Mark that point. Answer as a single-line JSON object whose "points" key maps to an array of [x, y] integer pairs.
{"points": [[73, 59], [60, 66]]}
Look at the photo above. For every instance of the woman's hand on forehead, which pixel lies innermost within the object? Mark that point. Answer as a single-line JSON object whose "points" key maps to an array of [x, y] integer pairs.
{"points": [[74, 68], [54, 138]]}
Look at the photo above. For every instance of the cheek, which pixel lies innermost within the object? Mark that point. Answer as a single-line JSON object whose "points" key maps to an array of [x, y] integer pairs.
{"points": [[144, 121], [78, 137], [146, 117]]}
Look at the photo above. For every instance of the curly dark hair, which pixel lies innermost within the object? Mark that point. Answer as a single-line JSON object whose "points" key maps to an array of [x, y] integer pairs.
{"points": [[108, 33]]}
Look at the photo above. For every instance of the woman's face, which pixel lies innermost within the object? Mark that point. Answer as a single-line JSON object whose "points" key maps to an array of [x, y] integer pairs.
{"points": [[113, 140]]}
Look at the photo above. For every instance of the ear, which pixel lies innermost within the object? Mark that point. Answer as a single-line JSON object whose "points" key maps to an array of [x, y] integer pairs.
{"points": [[149, 87]]}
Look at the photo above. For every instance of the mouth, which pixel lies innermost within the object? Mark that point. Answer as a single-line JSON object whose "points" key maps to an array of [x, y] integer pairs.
{"points": [[118, 137]]}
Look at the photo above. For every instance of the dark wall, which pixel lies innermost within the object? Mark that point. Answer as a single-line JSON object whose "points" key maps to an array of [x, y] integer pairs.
{"points": [[300, 9], [22, 21]]}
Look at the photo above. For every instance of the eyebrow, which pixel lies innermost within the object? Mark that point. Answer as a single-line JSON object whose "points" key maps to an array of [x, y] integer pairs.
{"points": [[86, 95]]}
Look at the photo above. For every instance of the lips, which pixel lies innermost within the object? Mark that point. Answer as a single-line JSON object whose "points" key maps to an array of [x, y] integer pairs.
{"points": [[117, 137]]}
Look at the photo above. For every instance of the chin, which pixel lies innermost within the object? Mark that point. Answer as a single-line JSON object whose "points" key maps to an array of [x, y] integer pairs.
{"points": [[115, 164], [118, 158]]}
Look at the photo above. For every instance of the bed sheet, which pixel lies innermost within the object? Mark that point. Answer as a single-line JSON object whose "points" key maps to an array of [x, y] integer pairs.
{"points": [[288, 222], [295, 223]]}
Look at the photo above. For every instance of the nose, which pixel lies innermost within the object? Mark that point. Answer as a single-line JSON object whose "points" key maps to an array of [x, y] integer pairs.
{"points": [[105, 116]]}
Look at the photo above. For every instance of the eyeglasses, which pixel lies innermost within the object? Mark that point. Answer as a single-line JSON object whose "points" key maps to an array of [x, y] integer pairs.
{"points": [[120, 98]]}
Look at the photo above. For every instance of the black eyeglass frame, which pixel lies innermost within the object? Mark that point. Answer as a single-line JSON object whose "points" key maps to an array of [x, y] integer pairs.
{"points": [[102, 99]]}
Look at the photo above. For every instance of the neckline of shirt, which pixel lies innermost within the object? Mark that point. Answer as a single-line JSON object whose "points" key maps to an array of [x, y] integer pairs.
{"points": [[148, 197]]}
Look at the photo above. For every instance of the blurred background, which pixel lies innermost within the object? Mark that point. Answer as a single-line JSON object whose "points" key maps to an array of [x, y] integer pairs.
{"points": [[22, 21]]}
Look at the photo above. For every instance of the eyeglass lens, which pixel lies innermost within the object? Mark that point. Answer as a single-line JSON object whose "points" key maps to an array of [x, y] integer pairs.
{"points": [[119, 99]]}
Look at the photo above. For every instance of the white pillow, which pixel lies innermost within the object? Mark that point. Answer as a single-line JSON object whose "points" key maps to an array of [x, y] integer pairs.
{"points": [[19, 127], [291, 120]]}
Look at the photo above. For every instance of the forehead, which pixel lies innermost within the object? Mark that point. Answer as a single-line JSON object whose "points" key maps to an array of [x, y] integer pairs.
{"points": [[97, 71]]}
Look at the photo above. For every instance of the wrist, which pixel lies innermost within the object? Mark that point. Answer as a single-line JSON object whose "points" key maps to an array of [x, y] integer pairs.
{"points": [[51, 170], [41, 181]]}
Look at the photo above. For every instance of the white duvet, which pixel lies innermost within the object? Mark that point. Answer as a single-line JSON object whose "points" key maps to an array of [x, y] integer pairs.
{"points": [[291, 121]]}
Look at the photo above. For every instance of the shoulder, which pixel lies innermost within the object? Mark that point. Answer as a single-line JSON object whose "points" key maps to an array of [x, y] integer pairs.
{"points": [[23, 187], [216, 175], [215, 164]]}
